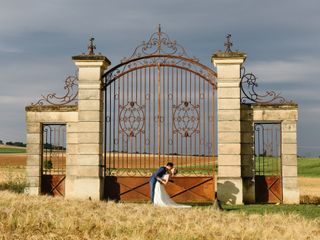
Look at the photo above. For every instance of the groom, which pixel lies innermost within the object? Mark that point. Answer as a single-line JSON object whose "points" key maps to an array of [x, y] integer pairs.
{"points": [[157, 176]]}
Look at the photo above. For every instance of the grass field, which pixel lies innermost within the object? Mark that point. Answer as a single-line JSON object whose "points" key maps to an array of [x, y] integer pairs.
{"points": [[11, 149], [55, 218], [309, 167]]}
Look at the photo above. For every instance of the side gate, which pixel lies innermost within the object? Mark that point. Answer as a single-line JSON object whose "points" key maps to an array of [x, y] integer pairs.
{"points": [[53, 164], [267, 152]]}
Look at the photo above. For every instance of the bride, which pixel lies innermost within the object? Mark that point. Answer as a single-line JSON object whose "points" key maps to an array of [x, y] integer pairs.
{"points": [[161, 197]]}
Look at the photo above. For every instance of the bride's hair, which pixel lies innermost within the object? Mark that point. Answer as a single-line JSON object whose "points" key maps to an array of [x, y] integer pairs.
{"points": [[174, 171]]}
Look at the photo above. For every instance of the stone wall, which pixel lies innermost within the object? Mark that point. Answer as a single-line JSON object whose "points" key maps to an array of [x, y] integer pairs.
{"points": [[287, 115], [36, 116]]}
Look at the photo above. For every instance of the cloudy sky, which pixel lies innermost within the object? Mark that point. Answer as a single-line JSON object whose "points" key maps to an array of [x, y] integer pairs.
{"points": [[38, 38]]}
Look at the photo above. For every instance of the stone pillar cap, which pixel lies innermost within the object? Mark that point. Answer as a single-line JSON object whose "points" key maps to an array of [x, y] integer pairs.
{"points": [[228, 56], [86, 57]]}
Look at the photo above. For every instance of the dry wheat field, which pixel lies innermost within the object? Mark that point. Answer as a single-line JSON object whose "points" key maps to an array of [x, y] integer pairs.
{"points": [[27, 217]]}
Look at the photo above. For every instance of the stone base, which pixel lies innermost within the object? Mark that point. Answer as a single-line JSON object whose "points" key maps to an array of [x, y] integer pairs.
{"points": [[35, 191], [248, 190], [84, 188], [230, 190], [291, 196]]}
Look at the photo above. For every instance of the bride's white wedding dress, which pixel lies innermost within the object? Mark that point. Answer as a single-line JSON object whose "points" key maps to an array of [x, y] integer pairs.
{"points": [[161, 197]]}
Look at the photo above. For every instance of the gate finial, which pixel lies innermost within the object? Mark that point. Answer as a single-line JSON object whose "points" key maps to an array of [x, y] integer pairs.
{"points": [[91, 47], [228, 44], [159, 39]]}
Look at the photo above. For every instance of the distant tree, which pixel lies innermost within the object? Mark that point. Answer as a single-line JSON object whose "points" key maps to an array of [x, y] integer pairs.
{"points": [[1, 142], [18, 144]]}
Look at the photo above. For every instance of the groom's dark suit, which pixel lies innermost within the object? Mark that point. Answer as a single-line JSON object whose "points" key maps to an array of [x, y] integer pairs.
{"points": [[153, 180]]}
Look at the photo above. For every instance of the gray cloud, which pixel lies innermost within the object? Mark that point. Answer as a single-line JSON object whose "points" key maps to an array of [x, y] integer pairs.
{"points": [[38, 38]]}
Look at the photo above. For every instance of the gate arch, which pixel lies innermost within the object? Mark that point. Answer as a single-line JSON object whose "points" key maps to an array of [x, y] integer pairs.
{"points": [[159, 107]]}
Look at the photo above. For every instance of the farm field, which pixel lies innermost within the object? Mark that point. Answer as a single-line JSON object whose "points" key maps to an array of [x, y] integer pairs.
{"points": [[308, 170], [34, 217]]}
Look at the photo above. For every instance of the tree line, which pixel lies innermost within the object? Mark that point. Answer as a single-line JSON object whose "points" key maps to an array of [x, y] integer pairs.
{"points": [[17, 144]]}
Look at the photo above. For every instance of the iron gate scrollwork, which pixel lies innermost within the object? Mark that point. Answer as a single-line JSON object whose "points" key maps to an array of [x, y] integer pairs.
{"points": [[159, 107]]}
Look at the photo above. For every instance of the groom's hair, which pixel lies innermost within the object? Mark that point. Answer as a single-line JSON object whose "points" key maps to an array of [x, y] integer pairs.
{"points": [[170, 164]]}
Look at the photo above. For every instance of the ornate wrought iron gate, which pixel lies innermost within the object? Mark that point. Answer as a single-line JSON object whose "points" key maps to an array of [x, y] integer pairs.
{"points": [[268, 186], [159, 107], [53, 159]]}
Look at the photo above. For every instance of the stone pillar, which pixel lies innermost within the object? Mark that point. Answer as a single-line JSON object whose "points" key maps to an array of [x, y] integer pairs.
{"points": [[229, 185], [290, 187], [34, 140], [86, 179]]}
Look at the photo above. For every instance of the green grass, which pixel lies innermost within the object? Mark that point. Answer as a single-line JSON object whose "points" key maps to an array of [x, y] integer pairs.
{"points": [[306, 210], [309, 167], [12, 150]]}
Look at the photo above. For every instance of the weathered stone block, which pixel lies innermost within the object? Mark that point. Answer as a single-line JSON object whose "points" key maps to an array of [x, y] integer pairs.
{"points": [[84, 188], [86, 148], [94, 137], [289, 148], [33, 148], [228, 126], [225, 160], [71, 159], [72, 127], [228, 115], [89, 105], [33, 138], [33, 171], [274, 115], [229, 71], [289, 171], [290, 182], [229, 137], [33, 181], [72, 138], [228, 103], [90, 127], [289, 126], [33, 127], [229, 171], [289, 160], [72, 148], [34, 191], [33, 160], [90, 116], [289, 137], [291, 196], [230, 190], [89, 159], [229, 93], [90, 94], [229, 148]]}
